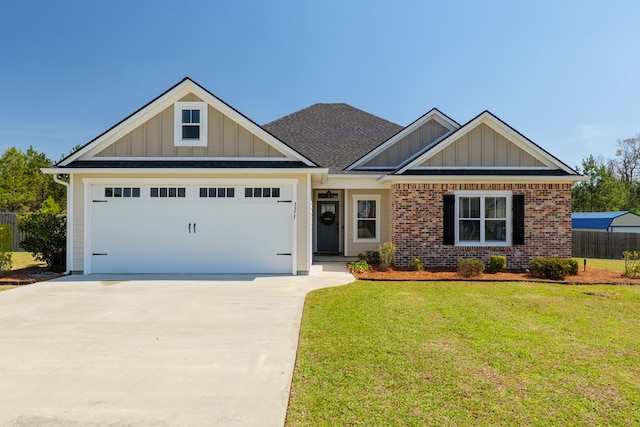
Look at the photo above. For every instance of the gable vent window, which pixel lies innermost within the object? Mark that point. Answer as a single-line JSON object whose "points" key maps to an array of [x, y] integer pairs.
{"points": [[190, 128]]}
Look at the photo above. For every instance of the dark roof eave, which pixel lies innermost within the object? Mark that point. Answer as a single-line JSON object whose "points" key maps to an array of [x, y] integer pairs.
{"points": [[186, 164], [485, 172]]}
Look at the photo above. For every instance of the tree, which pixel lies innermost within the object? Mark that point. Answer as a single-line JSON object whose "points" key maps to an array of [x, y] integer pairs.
{"points": [[602, 192], [15, 194], [23, 186], [627, 162]]}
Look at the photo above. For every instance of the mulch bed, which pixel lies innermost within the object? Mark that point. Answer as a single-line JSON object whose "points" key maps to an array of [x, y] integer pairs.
{"points": [[591, 276], [28, 275]]}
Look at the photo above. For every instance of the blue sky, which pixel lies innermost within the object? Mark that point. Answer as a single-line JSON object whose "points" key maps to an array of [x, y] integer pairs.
{"points": [[564, 73]]}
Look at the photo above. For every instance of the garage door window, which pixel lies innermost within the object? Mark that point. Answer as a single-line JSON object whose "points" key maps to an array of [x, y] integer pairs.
{"points": [[122, 192], [255, 192], [218, 192], [168, 192]]}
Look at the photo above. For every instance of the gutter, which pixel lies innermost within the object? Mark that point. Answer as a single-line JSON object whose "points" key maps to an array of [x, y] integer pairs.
{"points": [[57, 179]]}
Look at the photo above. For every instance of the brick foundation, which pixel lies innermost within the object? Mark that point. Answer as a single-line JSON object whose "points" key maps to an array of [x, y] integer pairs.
{"points": [[417, 224]]}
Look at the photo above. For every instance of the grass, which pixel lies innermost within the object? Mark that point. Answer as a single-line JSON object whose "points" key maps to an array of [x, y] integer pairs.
{"points": [[608, 264], [20, 260], [23, 260], [491, 354]]}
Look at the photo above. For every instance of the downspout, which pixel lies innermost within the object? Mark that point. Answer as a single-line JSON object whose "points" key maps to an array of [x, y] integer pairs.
{"points": [[57, 179]]}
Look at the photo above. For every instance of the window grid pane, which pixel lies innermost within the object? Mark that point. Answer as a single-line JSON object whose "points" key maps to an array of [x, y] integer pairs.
{"points": [[366, 208]]}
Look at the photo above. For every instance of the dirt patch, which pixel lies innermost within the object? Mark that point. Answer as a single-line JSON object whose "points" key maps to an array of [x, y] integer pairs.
{"points": [[28, 275], [591, 276]]}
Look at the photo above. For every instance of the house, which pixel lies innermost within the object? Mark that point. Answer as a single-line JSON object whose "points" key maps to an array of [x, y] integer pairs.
{"points": [[615, 222], [188, 184]]}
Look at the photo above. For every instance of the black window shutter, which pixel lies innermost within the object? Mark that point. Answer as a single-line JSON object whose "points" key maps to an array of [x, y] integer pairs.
{"points": [[449, 219], [518, 219]]}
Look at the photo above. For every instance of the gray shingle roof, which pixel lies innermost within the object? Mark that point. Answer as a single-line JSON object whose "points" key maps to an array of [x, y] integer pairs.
{"points": [[332, 135]]}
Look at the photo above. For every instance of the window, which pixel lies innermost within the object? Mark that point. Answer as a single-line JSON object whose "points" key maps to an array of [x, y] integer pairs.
{"points": [[483, 219], [217, 192], [366, 218], [190, 129], [172, 192], [122, 192], [262, 192]]}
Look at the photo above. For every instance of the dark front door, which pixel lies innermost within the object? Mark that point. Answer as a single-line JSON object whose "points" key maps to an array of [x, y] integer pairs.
{"points": [[328, 226]]}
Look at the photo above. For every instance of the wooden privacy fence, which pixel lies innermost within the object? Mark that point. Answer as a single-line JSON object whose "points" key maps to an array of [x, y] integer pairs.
{"points": [[12, 219], [602, 244]]}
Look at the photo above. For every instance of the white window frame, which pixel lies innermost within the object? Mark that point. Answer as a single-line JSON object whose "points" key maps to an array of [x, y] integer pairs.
{"points": [[364, 197], [177, 129], [483, 195]]}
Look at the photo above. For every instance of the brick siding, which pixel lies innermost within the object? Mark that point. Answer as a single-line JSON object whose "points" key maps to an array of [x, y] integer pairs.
{"points": [[417, 224]]}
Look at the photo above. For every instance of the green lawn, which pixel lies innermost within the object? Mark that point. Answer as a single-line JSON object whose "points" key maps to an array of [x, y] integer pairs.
{"points": [[23, 259], [488, 354], [609, 264]]}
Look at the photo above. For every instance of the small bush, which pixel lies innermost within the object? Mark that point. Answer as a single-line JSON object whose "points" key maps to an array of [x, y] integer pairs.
{"points": [[361, 266], [573, 266], [416, 263], [631, 263], [470, 267], [372, 257], [553, 268], [6, 247], [497, 263], [387, 254]]}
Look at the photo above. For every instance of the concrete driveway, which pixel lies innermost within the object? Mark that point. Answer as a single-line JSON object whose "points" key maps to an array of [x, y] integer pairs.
{"points": [[152, 351]]}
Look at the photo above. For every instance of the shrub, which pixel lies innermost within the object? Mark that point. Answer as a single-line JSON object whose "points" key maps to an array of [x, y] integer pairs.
{"points": [[359, 266], [553, 268], [573, 266], [497, 263], [46, 238], [6, 247], [372, 257], [470, 267], [631, 263], [416, 263], [387, 254]]}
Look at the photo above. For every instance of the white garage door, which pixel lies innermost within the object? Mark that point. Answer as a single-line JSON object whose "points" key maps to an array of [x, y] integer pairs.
{"points": [[191, 229]]}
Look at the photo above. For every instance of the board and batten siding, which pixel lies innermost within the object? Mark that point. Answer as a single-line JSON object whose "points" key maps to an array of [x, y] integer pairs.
{"points": [[155, 138], [484, 147], [354, 248], [409, 145]]}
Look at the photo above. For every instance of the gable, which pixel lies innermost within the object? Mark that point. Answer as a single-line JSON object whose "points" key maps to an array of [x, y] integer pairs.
{"points": [[408, 142], [407, 146], [155, 138], [222, 133], [486, 144], [482, 147]]}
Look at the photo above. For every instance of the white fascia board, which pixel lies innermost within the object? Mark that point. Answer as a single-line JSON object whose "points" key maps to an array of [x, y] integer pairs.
{"points": [[497, 125], [165, 101], [432, 114], [352, 182], [491, 179]]}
